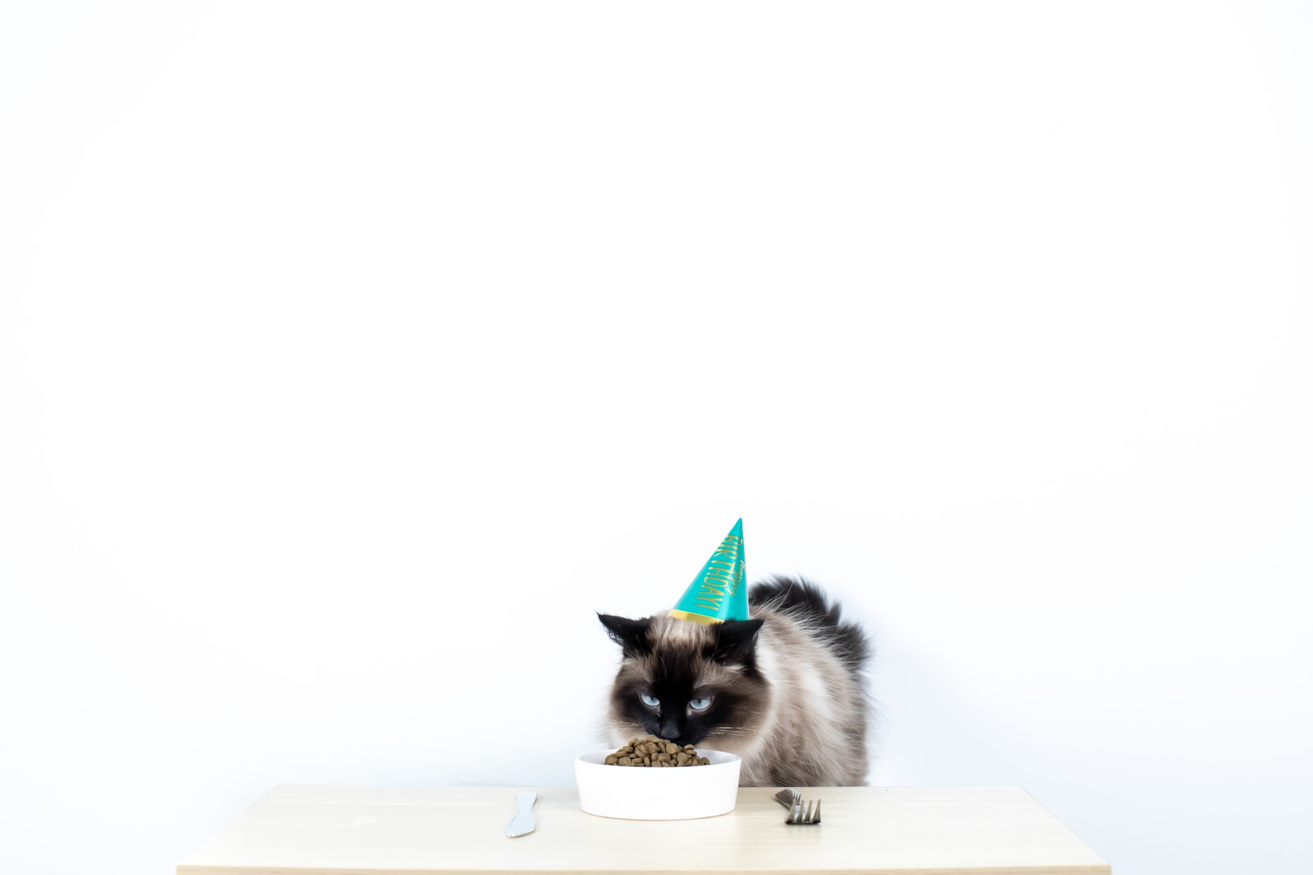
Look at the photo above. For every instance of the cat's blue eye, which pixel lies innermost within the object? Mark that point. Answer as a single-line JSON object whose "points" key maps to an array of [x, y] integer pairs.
{"points": [[649, 701], [701, 703]]}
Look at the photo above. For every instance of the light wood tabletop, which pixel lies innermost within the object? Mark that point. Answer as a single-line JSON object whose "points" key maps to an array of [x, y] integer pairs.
{"points": [[425, 831]]}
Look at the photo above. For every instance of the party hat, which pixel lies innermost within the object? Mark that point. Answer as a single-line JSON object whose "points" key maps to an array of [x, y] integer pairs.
{"points": [[720, 591]]}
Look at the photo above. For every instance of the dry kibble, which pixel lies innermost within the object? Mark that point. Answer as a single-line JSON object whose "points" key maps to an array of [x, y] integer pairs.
{"points": [[656, 753]]}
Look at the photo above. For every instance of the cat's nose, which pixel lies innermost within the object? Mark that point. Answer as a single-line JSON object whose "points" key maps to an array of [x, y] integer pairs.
{"points": [[670, 730]]}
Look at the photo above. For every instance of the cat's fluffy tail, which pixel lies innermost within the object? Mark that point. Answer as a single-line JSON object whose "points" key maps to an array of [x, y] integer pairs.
{"points": [[808, 604]]}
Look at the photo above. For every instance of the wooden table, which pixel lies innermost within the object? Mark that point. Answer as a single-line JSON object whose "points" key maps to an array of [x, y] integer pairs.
{"points": [[383, 831]]}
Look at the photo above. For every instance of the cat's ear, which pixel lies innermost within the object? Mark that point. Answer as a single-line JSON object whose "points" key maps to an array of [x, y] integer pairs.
{"points": [[631, 635], [735, 640]]}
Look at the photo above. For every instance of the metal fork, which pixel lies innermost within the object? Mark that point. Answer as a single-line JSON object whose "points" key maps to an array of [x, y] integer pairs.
{"points": [[799, 814]]}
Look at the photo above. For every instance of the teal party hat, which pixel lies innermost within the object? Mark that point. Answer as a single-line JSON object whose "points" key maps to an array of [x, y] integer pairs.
{"points": [[720, 591]]}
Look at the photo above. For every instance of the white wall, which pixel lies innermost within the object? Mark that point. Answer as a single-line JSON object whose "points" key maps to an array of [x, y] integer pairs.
{"points": [[351, 357]]}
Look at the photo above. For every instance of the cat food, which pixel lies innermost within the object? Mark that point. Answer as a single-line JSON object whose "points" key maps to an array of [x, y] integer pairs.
{"points": [[655, 752]]}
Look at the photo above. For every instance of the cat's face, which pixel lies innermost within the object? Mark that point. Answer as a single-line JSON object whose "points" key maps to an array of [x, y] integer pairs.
{"points": [[688, 682]]}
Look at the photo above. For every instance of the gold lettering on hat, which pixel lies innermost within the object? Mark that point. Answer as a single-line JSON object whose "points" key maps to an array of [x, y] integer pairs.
{"points": [[723, 574]]}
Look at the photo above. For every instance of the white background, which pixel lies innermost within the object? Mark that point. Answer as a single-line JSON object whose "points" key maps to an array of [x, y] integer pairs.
{"points": [[352, 356]]}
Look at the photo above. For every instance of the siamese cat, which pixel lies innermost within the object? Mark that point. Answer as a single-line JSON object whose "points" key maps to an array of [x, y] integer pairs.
{"points": [[784, 690]]}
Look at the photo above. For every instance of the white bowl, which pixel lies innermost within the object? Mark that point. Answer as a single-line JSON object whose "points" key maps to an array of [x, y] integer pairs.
{"points": [[644, 793]]}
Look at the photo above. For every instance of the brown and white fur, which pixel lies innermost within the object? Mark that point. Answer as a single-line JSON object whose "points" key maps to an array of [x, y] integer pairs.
{"points": [[783, 690]]}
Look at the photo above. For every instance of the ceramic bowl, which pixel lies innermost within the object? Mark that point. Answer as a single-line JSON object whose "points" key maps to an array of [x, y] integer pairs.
{"points": [[643, 793]]}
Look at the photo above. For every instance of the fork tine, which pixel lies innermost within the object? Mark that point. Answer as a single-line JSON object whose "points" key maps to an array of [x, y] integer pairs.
{"points": [[818, 812], [795, 815], [809, 818]]}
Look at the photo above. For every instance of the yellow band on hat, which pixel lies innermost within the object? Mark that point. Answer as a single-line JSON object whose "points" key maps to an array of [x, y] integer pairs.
{"points": [[696, 618]]}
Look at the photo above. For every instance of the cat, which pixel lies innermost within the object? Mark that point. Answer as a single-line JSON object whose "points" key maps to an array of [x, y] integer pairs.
{"points": [[783, 690]]}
